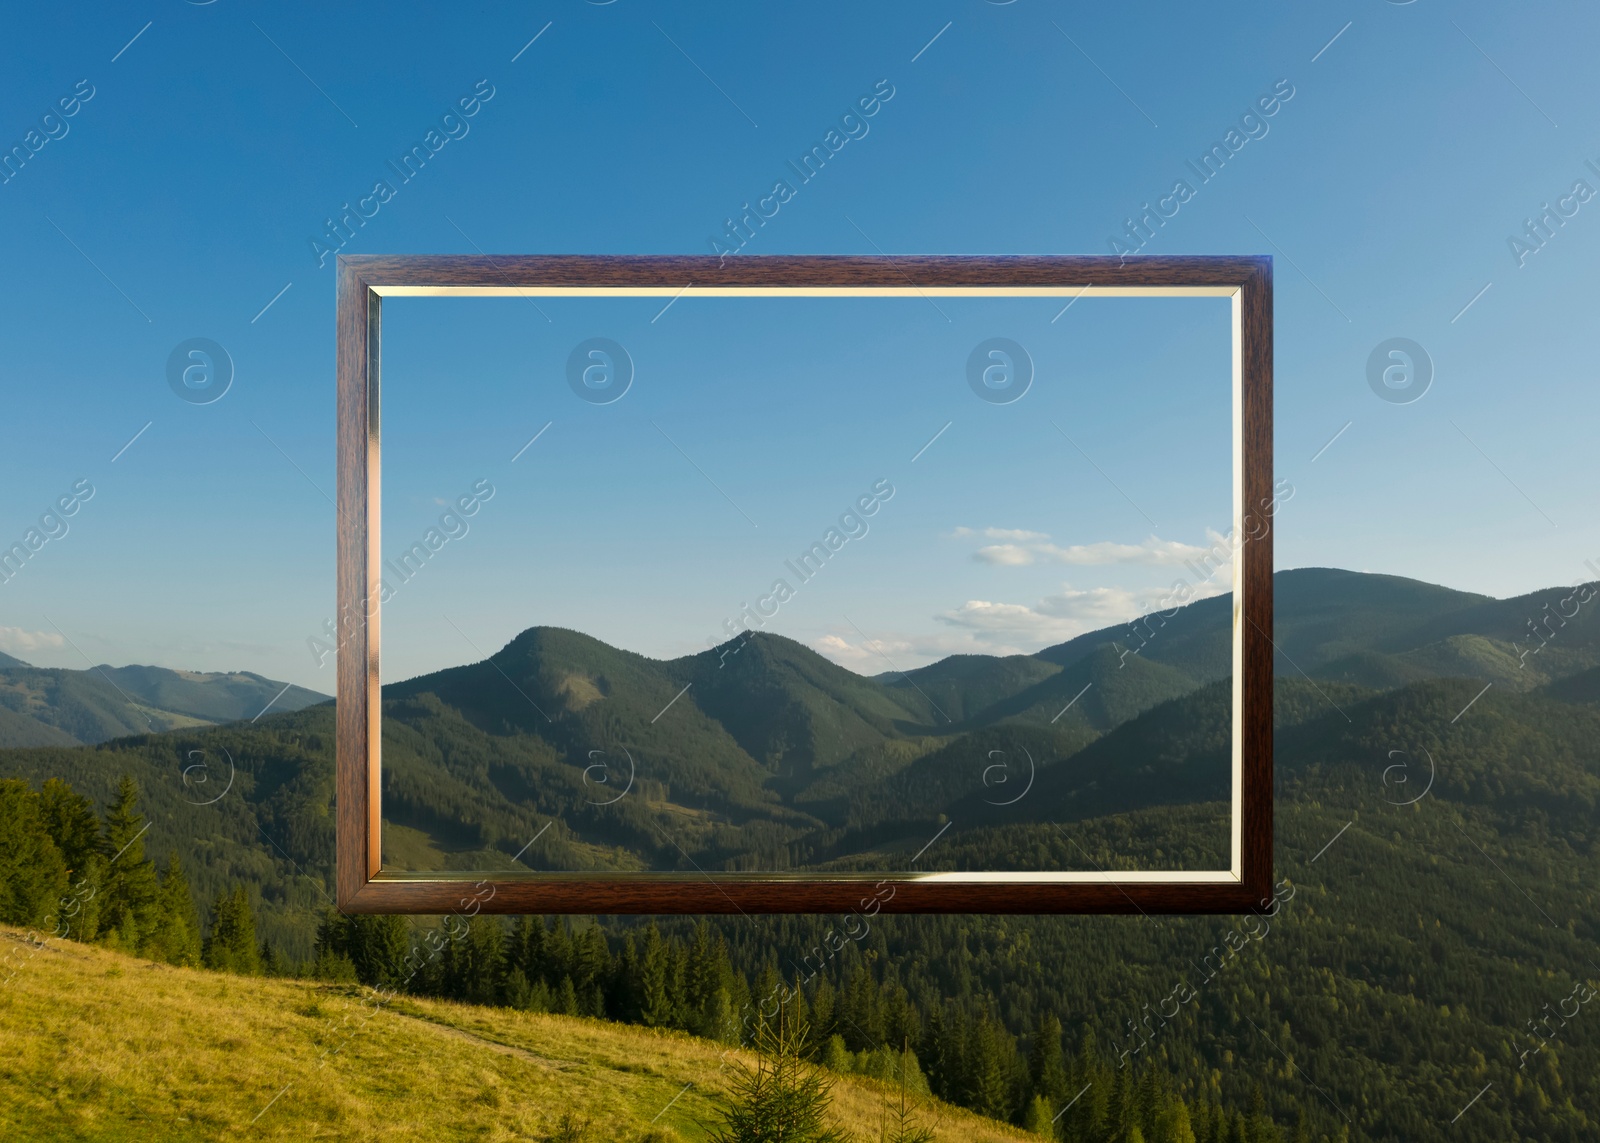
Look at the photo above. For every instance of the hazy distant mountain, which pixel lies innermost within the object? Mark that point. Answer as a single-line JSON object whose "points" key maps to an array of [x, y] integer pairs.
{"points": [[44, 706], [1378, 631], [10, 661], [762, 754], [1416, 834]]}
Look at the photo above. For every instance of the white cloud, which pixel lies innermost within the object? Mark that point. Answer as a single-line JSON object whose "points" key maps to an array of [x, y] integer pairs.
{"points": [[1152, 552], [999, 627], [1055, 618], [17, 641], [1101, 606], [1006, 555], [1010, 620], [898, 651], [989, 627], [1017, 534]]}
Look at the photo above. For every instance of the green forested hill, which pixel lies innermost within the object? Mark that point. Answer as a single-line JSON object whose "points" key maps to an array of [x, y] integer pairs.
{"points": [[1439, 840], [964, 686], [48, 706], [1401, 978]]}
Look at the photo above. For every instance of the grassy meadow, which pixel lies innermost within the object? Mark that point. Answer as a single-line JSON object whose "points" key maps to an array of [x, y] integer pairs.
{"points": [[97, 1045]]}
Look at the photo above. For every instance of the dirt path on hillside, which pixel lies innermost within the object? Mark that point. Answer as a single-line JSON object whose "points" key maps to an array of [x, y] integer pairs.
{"points": [[494, 1045]]}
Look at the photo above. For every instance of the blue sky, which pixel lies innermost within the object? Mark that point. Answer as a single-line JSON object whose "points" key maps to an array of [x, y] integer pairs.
{"points": [[183, 196]]}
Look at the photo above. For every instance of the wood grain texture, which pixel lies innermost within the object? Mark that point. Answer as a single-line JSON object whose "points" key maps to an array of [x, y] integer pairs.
{"points": [[380, 270], [744, 893], [1255, 557], [356, 765], [360, 885]]}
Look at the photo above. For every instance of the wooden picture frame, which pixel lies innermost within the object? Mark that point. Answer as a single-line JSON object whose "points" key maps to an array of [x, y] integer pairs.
{"points": [[363, 886]]}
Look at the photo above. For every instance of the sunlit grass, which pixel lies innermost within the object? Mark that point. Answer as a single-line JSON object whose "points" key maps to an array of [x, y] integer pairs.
{"points": [[95, 1045]]}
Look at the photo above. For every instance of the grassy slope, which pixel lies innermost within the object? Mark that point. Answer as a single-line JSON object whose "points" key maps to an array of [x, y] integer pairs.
{"points": [[95, 1045]]}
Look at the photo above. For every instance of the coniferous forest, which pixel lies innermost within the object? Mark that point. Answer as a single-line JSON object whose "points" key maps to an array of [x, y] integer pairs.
{"points": [[1425, 971]]}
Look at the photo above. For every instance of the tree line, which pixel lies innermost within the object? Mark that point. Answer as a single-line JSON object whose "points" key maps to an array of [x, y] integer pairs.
{"points": [[73, 874], [67, 872]]}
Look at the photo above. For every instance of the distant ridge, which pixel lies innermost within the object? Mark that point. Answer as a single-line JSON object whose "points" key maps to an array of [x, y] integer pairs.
{"points": [[54, 706]]}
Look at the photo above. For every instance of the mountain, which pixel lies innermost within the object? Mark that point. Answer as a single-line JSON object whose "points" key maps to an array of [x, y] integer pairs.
{"points": [[1438, 833], [762, 754], [962, 686], [10, 661], [1319, 615], [42, 706], [18, 729], [1444, 868], [797, 712], [1102, 689], [1583, 687], [1376, 631]]}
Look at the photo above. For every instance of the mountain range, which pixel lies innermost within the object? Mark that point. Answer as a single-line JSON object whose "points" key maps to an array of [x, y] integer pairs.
{"points": [[1437, 786], [761, 754], [49, 706]]}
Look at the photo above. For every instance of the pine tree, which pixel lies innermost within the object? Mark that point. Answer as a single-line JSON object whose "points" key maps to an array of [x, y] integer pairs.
{"points": [[782, 1098], [1302, 1127], [566, 1000], [1038, 1119], [591, 966], [69, 816], [1172, 1124], [625, 999], [331, 959], [1261, 1128], [941, 1049], [33, 874], [132, 892], [1238, 1129], [824, 1002], [81, 909], [721, 1019], [557, 953], [379, 946], [273, 962], [231, 946], [516, 992], [988, 1077], [1091, 1089], [525, 949], [701, 977], [898, 1017], [1149, 1095], [903, 1123], [862, 1011], [1120, 1114], [470, 968], [657, 1007], [836, 1057], [176, 937], [765, 1002], [1047, 1068]]}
